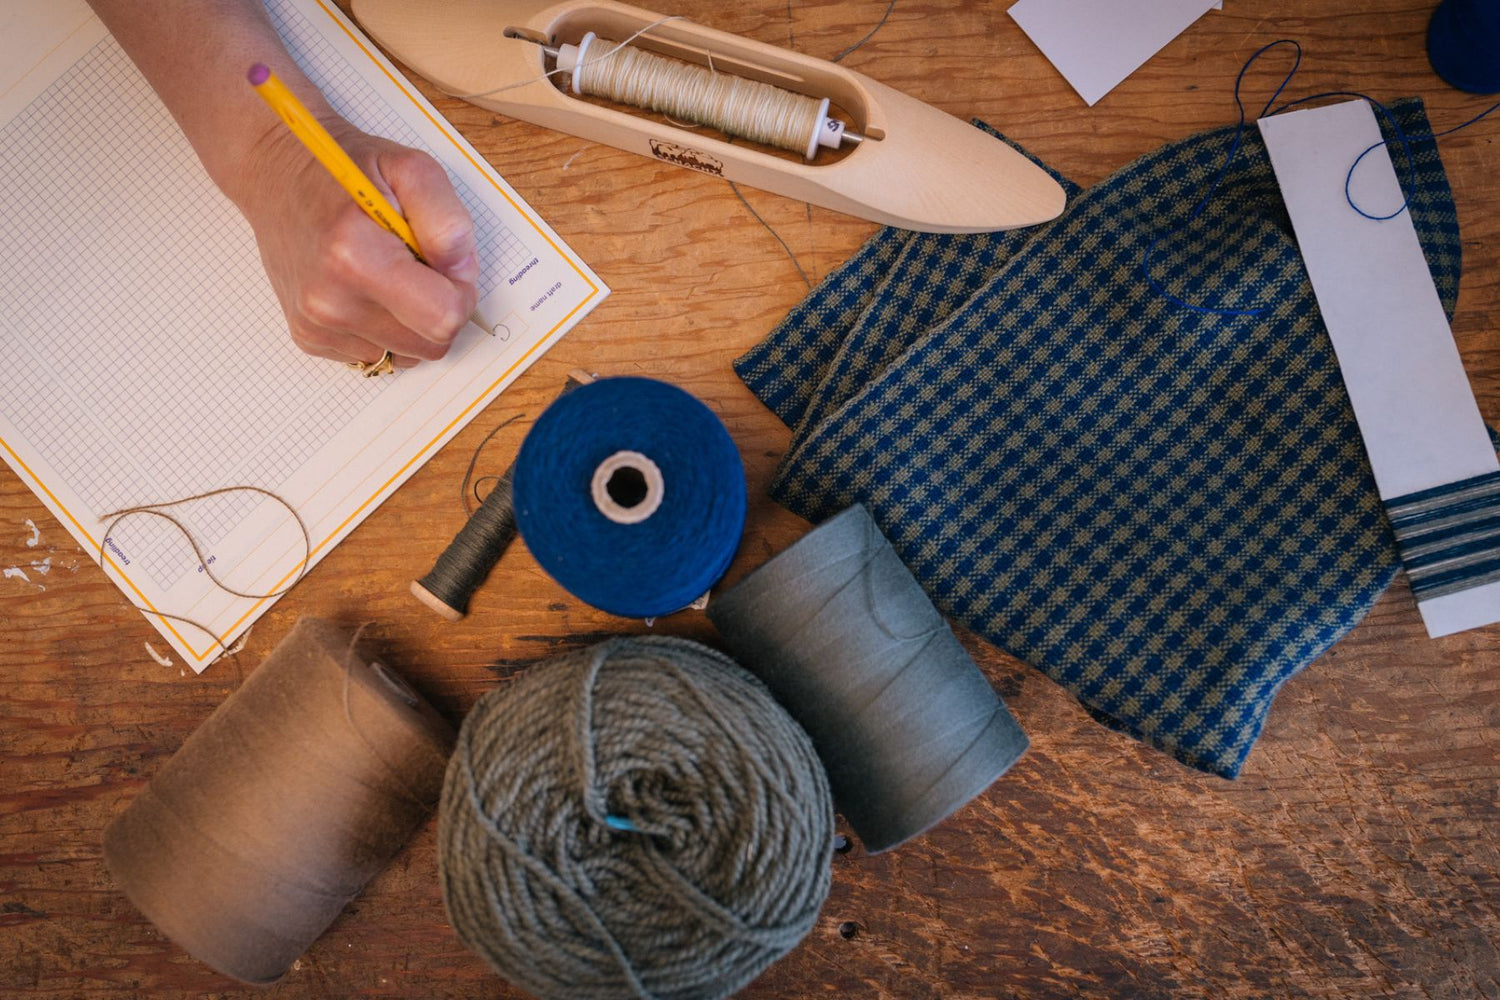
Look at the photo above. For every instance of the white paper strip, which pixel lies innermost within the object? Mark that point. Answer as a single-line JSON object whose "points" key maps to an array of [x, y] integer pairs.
{"points": [[1416, 411]]}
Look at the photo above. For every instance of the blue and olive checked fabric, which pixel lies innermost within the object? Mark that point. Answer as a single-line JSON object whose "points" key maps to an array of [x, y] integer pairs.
{"points": [[1166, 511]]}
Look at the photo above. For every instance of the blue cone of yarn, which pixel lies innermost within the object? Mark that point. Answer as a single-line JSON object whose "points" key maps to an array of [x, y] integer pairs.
{"points": [[1463, 44], [670, 558]]}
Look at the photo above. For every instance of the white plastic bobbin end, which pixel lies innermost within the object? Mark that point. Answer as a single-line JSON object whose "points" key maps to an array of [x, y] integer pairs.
{"points": [[827, 132], [570, 57], [627, 487]]}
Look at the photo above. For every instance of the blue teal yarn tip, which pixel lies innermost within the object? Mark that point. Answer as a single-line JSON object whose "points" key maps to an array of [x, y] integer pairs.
{"points": [[1463, 44], [670, 558]]}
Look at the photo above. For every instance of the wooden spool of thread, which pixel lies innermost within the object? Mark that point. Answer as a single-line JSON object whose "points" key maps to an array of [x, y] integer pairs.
{"points": [[732, 104], [281, 806], [479, 544]]}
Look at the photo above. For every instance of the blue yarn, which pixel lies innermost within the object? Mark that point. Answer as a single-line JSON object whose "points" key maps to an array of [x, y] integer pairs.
{"points": [[670, 559]]}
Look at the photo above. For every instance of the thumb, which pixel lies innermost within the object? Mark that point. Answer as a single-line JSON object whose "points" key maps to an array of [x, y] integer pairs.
{"points": [[442, 225]]}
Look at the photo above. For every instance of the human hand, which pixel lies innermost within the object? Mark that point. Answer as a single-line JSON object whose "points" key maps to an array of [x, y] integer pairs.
{"points": [[350, 289]]}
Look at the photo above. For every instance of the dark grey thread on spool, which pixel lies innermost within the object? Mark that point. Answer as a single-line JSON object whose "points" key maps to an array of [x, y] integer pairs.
{"points": [[476, 548], [483, 539], [729, 860]]}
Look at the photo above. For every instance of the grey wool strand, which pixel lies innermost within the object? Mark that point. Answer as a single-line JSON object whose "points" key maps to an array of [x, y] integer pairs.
{"points": [[729, 862]]}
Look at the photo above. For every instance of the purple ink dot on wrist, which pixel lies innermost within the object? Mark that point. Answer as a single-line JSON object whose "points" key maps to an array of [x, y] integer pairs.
{"points": [[259, 74]]}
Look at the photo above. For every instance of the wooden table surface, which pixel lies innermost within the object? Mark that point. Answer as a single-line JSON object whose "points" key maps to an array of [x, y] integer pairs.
{"points": [[1356, 856]]}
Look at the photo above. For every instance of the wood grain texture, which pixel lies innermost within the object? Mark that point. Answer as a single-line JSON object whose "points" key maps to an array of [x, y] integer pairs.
{"points": [[1356, 857]]}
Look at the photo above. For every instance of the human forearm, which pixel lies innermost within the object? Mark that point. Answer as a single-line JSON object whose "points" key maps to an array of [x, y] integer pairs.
{"points": [[195, 53]]}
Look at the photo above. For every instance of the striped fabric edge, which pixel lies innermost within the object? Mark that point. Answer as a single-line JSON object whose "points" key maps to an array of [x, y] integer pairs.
{"points": [[1449, 535]]}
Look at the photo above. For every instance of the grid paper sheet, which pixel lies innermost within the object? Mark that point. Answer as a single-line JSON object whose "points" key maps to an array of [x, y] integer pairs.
{"points": [[147, 357]]}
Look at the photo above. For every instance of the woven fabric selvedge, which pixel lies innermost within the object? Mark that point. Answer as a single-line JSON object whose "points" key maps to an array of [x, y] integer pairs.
{"points": [[1168, 512]]}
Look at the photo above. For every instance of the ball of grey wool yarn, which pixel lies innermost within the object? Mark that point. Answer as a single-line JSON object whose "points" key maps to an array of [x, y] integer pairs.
{"points": [[638, 819]]}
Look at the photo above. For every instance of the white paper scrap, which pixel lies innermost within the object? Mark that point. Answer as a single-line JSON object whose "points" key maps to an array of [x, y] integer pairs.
{"points": [[1097, 43]]}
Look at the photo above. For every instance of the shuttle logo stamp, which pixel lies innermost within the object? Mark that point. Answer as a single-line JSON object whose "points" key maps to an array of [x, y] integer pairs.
{"points": [[686, 157]]}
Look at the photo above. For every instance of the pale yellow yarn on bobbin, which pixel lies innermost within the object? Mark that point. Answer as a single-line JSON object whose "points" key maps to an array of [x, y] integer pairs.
{"points": [[732, 104]]}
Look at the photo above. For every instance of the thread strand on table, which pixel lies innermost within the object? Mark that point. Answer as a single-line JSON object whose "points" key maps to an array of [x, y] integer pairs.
{"points": [[155, 509]]}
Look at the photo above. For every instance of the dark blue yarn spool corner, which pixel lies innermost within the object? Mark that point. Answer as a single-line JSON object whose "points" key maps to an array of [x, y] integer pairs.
{"points": [[1463, 44]]}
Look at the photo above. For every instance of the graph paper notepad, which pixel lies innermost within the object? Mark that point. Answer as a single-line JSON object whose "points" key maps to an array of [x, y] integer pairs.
{"points": [[146, 357]]}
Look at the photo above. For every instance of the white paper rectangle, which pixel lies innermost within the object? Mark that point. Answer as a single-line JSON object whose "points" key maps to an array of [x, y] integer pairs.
{"points": [[1097, 43], [1416, 410], [146, 355]]}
